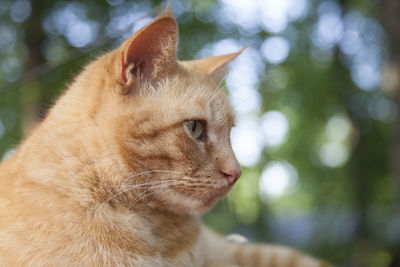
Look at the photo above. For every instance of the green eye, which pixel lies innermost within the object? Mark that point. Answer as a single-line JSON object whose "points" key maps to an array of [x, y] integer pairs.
{"points": [[195, 128]]}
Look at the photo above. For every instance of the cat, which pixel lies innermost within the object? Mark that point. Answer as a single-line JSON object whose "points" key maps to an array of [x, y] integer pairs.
{"points": [[125, 162]]}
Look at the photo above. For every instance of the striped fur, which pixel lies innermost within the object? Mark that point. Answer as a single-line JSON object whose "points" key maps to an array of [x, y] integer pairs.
{"points": [[112, 178], [221, 252]]}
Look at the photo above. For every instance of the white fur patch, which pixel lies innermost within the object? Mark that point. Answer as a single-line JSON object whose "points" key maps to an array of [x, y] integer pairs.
{"points": [[236, 238]]}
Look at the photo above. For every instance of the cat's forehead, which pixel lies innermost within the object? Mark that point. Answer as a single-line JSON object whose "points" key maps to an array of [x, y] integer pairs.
{"points": [[198, 97]]}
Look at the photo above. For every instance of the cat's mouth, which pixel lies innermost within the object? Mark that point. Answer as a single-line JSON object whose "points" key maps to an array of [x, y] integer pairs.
{"points": [[205, 193], [194, 199]]}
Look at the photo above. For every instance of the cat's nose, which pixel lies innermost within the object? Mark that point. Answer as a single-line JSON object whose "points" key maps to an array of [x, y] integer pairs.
{"points": [[232, 175]]}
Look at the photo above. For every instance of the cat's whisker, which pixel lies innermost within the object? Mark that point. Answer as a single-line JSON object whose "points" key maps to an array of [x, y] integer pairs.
{"points": [[162, 183], [157, 181], [129, 178], [146, 193], [150, 181], [149, 192], [143, 185], [222, 80], [215, 94], [151, 171], [217, 90]]}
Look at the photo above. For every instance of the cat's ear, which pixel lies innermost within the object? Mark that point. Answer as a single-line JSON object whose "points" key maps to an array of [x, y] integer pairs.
{"points": [[149, 53], [214, 66]]}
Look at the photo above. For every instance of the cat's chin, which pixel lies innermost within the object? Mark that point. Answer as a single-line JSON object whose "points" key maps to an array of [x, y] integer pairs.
{"points": [[184, 204], [197, 209]]}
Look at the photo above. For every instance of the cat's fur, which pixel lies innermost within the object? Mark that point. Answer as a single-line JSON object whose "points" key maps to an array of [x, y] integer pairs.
{"points": [[112, 178]]}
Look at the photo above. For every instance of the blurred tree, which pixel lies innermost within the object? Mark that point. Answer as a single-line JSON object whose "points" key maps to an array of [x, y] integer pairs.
{"points": [[392, 85]]}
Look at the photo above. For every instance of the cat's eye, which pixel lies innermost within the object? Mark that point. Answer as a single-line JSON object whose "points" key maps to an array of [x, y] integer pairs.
{"points": [[195, 129]]}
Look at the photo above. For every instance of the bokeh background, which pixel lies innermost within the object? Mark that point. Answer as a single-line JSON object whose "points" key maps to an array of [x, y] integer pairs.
{"points": [[317, 96]]}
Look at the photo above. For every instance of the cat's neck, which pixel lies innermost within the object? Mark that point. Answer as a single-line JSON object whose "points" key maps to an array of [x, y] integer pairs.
{"points": [[77, 169], [75, 174]]}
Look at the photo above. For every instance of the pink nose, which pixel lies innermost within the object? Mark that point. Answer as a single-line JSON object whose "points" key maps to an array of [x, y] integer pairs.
{"points": [[232, 175]]}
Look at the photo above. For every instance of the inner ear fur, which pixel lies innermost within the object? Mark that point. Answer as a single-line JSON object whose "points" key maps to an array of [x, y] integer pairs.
{"points": [[150, 52]]}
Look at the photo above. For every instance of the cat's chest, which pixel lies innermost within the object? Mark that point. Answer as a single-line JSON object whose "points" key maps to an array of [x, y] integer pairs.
{"points": [[158, 240], [189, 257]]}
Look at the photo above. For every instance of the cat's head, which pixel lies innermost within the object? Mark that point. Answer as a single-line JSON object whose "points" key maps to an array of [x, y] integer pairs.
{"points": [[169, 121]]}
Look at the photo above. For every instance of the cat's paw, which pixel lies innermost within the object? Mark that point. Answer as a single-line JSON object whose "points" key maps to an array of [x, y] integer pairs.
{"points": [[238, 239]]}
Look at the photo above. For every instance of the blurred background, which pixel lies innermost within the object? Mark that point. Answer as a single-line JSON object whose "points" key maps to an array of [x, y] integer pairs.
{"points": [[317, 97]]}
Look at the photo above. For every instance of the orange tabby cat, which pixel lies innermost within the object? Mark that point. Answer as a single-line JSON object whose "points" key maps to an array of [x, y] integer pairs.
{"points": [[119, 171]]}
